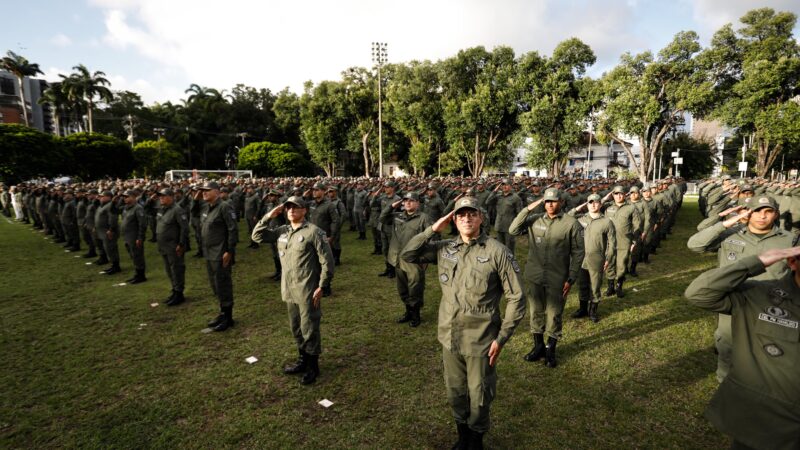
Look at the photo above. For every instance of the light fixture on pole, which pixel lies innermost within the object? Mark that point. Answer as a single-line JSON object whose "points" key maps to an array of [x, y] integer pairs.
{"points": [[379, 57]]}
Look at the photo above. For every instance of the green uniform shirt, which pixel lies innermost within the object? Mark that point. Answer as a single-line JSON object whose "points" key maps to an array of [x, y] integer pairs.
{"points": [[758, 404], [626, 221], [218, 230], [306, 258], [473, 276], [599, 242], [507, 206], [172, 228], [402, 227], [555, 247], [134, 223]]}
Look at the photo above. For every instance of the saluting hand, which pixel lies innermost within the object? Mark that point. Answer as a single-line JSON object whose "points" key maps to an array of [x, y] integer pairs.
{"points": [[275, 212], [533, 205], [770, 257], [138, 243], [745, 214], [396, 204], [441, 224]]}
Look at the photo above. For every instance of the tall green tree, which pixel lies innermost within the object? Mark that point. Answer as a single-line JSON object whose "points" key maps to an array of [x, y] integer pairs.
{"points": [[361, 99], [557, 100], [87, 87], [286, 109], [324, 123], [755, 71], [154, 157], [27, 153], [645, 97], [97, 156], [21, 68], [414, 108], [58, 101], [480, 106]]}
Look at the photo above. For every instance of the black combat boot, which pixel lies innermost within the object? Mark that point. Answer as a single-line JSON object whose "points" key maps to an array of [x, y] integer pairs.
{"points": [[337, 253], [169, 299], [392, 272], [199, 254], [550, 353], [581, 312], [113, 269], [177, 299], [101, 261], [386, 271], [646, 257], [405, 317], [362, 236], [632, 271], [217, 321], [299, 366], [415, 316], [611, 288], [376, 250], [89, 254], [475, 440], [139, 278], [463, 437], [312, 371], [593, 311], [130, 280], [538, 348], [620, 292], [227, 319], [277, 263]]}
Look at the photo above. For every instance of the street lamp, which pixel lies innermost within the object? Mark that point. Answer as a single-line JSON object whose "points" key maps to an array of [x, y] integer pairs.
{"points": [[159, 132], [379, 57]]}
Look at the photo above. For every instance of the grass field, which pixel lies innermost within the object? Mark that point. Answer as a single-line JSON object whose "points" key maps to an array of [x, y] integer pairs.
{"points": [[87, 364]]}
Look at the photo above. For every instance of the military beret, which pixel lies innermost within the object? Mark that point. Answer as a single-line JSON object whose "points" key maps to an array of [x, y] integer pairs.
{"points": [[763, 201], [551, 194], [466, 203], [295, 200], [411, 196]]}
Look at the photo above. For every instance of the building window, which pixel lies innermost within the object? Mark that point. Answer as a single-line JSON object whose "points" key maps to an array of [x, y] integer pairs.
{"points": [[391, 171], [590, 155], [7, 86]]}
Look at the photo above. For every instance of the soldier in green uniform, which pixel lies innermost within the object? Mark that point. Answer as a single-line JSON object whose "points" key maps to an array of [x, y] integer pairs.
{"points": [[308, 265], [133, 228], [507, 204], [373, 212], [475, 271], [341, 209], [172, 230], [555, 255], [645, 216], [252, 205], [106, 227], [748, 233], [273, 200], [360, 203], [219, 238], [388, 197], [69, 221], [757, 403], [433, 205], [82, 207], [626, 223], [404, 225], [600, 252], [324, 214]]}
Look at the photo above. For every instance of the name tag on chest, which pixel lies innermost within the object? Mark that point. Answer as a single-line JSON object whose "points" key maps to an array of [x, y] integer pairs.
{"points": [[778, 320]]}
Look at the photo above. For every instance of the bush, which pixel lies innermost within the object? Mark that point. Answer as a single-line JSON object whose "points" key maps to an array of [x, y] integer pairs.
{"points": [[27, 153], [153, 158], [98, 156], [274, 160]]}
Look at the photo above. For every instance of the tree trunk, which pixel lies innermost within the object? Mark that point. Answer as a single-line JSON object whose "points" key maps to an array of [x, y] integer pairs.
{"points": [[365, 150], [22, 102], [765, 157], [91, 126]]}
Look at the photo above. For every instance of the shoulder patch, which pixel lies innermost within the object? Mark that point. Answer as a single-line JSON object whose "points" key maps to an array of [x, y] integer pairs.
{"points": [[514, 263], [482, 259]]}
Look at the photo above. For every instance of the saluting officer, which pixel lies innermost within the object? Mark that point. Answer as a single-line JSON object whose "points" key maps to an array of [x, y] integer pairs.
{"points": [[508, 204], [308, 266], [475, 271], [757, 402], [106, 227], [134, 227], [172, 229], [219, 237], [626, 223], [600, 252], [555, 255], [403, 225]]}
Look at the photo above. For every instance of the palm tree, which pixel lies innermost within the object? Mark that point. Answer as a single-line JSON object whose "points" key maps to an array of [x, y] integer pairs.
{"points": [[55, 96], [19, 66], [86, 86]]}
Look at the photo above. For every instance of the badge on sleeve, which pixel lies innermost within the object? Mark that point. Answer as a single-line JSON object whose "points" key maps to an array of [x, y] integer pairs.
{"points": [[443, 277], [773, 350], [514, 263], [731, 256]]}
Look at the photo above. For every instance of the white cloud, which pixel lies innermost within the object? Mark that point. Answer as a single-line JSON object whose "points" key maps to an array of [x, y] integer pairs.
{"points": [[61, 40], [276, 44], [713, 14]]}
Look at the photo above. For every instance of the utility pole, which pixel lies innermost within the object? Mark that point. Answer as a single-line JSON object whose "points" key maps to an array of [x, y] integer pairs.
{"points": [[159, 132], [677, 161], [129, 124], [379, 57], [242, 135]]}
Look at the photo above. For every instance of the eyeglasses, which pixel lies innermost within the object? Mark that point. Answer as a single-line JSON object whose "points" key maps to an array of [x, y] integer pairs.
{"points": [[467, 214]]}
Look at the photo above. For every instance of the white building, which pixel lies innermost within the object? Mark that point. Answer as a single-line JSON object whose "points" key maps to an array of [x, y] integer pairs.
{"points": [[40, 116]]}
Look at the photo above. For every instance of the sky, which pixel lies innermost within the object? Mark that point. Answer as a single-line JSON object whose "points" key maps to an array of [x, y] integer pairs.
{"points": [[157, 48]]}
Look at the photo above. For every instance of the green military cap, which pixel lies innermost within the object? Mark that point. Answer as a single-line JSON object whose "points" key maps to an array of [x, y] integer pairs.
{"points": [[725, 177], [411, 196], [390, 183], [319, 186], [295, 200], [209, 185], [551, 195], [274, 192], [431, 186], [618, 189], [763, 201], [634, 189], [93, 192], [572, 186], [467, 203], [746, 188], [129, 192], [505, 181], [470, 192], [166, 192], [646, 185], [69, 191], [593, 198], [107, 193], [581, 184], [333, 188], [225, 189], [744, 201]]}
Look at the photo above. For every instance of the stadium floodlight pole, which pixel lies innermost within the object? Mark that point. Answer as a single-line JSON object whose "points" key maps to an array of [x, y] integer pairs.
{"points": [[379, 57]]}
